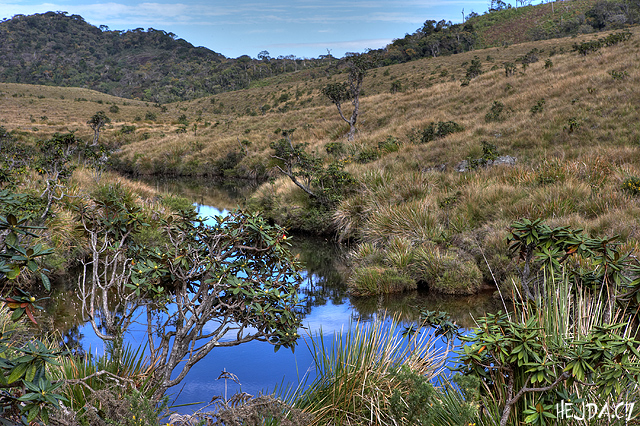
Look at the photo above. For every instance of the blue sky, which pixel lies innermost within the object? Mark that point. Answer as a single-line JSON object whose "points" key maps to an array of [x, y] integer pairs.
{"points": [[305, 28]]}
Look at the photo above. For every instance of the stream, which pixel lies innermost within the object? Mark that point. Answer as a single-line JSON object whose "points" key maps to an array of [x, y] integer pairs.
{"points": [[327, 306]]}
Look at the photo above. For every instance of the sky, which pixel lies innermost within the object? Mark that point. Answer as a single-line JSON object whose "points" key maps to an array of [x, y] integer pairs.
{"points": [[304, 28]]}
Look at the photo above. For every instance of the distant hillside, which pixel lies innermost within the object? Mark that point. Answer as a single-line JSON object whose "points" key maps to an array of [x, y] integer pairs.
{"points": [[503, 25], [58, 49]]}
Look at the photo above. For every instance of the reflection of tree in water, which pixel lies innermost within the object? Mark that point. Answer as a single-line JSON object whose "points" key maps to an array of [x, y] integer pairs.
{"points": [[322, 261], [407, 306], [71, 341], [228, 194]]}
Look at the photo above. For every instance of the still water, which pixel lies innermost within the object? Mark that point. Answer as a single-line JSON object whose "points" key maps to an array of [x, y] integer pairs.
{"points": [[328, 310]]}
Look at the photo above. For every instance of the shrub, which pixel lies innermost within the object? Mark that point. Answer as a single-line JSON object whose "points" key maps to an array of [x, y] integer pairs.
{"points": [[531, 56], [151, 116], [183, 120], [538, 107], [495, 113], [509, 68], [367, 155], [474, 69], [126, 129], [572, 125], [632, 185], [435, 131], [396, 86], [335, 149], [114, 109]]}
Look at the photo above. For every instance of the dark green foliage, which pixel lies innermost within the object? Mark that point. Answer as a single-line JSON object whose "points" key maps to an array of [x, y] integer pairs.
{"points": [[14, 159], [509, 68], [25, 364], [618, 75], [157, 66], [474, 69], [151, 116], [183, 120], [326, 184], [572, 125], [228, 162], [114, 109], [548, 64], [335, 149], [632, 185], [586, 47], [489, 153], [599, 261], [127, 129], [97, 122], [367, 155], [415, 407], [435, 131], [432, 40], [495, 113], [607, 15], [538, 107], [396, 86], [531, 56]]}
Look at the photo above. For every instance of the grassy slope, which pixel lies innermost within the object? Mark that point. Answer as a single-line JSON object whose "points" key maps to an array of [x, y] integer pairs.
{"points": [[569, 178], [527, 23]]}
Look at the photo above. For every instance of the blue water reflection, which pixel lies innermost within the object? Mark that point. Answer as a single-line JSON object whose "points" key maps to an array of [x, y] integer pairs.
{"points": [[256, 365]]}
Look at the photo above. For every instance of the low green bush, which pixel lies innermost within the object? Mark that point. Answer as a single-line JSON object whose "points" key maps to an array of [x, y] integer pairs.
{"points": [[632, 185], [434, 131]]}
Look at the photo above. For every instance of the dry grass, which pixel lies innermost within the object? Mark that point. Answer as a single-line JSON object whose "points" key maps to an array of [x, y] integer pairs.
{"points": [[572, 155]]}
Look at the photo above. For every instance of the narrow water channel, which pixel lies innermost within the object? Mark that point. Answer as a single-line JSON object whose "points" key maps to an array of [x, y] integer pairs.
{"points": [[327, 306]]}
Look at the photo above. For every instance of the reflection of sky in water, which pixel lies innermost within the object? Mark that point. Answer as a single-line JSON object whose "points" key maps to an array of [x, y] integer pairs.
{"points": [[257, 366]]}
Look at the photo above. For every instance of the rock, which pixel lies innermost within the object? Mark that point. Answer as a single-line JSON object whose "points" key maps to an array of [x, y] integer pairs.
{"points": [[464, 166], [439, 168], [503, 159]]}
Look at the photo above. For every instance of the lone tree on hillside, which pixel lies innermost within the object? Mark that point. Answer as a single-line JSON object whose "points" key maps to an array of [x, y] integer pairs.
{"points": [[97, 122], [350, 90]]}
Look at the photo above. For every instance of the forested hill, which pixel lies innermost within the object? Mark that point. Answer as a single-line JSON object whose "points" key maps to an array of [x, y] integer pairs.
{"points": [[504, 25], [59, 49]]}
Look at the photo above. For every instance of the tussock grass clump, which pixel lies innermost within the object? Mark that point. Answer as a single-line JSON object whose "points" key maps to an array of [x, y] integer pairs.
{"points": [[370, 280], [446, 271], [416, 220], [399, 265], [109, 388], [358, 372]]}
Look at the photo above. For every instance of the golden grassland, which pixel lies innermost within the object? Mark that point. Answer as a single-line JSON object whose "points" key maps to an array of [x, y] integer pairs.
{"points": [[573, 155]]}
